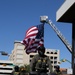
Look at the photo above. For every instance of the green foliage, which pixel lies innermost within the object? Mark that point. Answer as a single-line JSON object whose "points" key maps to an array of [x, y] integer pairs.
{"points": [[27, 67]]}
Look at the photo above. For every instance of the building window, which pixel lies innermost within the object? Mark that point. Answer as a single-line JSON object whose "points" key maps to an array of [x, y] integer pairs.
{"points": [[31, 56], [47, 52], [51, 57], [19, 60], [51, 62], [20, 52], [19, 56], [6, 68], [30, 60], [20, 47], [55, 53], [55, 57], [55, 62], [51, 52], [54, 66]]}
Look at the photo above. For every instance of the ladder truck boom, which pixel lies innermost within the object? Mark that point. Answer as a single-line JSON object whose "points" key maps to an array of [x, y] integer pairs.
{"points": [[69, 47]]}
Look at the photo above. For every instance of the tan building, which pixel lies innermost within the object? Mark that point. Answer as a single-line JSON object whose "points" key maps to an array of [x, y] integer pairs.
{"points": [[19, 56]]}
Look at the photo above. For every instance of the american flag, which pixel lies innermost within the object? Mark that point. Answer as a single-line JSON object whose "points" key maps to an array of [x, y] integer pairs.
{"points": [[34, 38]]}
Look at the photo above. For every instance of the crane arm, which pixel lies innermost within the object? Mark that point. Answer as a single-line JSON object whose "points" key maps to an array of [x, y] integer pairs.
{"points": [[69, 47]]}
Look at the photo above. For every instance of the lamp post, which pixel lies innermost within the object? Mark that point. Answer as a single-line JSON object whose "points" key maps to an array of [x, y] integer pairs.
{"points": [[64, 60], [4, 53]]}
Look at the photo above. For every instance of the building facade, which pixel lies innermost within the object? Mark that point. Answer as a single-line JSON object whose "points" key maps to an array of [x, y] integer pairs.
{"points": [[6, 67], [19, 56]]}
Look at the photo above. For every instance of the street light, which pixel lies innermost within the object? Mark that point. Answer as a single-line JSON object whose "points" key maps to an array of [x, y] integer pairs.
{"points": [[64, 60], [4, 53]]}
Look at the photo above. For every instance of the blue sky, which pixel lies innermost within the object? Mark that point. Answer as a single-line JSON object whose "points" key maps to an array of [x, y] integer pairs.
{"points": [[16, 16]]}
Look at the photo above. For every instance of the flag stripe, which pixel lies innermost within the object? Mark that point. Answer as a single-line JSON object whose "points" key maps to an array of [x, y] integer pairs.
{"points": [[31, 29], [31, 35], [32, 32], [34, 38]]}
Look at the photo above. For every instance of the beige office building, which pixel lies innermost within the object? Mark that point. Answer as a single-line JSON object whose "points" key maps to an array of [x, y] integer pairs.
{"points": [[19, 56]]}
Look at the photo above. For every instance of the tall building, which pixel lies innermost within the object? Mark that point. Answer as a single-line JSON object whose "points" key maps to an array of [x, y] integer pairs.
{"points": [[19, 56], [54, 56]]}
